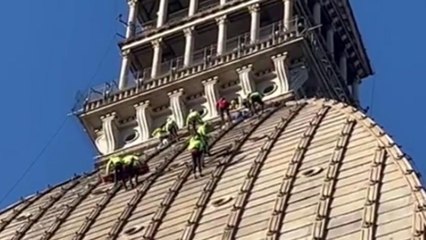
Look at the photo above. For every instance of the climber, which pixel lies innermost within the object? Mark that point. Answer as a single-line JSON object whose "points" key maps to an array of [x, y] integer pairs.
{"points": [[161, 134], [172, 129], [195, 146], [222, 107], [131, 163], [117, 163], [203, 133], [255, 98], [193, 119]]}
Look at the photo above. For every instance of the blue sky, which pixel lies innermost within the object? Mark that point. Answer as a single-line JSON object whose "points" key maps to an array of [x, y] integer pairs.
{"points": [[50, 50]]}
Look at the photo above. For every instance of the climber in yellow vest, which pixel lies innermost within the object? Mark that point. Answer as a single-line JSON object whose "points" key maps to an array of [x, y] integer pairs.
{"points": [[172, 129], [117, 164], [193, 119], [203, 132], [195, 146], [161, 134], [254, 99], [131, 162]]}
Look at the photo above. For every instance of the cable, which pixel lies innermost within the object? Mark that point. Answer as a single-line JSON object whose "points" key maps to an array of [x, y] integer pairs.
{"points": [[59, 130], [101, 62], [33, 162]]}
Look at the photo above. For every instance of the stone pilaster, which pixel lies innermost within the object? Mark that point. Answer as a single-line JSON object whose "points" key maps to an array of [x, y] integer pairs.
{"points": [[110, 131], [192, 9], [281, 69], [355, 90], [288, 13], [317, 13], [124, 72], [222, 34], [255, 22], [246, 79], [212, 95], [156, 57], [162, 12], [143, 118], [330, 40], [177, 106], [189, 46], [131, 21], [343, 67]]}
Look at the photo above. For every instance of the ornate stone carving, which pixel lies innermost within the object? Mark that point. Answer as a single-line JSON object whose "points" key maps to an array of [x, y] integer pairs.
{"points": [[246, 81], [212, 95], [109, 129], [177, 106], [143, 117], [280, 64]]}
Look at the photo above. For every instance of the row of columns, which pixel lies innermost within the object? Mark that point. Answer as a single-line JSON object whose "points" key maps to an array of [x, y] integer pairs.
{"points": [[177, 103], [189, 34]]}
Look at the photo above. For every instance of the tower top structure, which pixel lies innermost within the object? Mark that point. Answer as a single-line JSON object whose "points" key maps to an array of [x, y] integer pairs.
{"points": [[182, 54], [315, 168]]}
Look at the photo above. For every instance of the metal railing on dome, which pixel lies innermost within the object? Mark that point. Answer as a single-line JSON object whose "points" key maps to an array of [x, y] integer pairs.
{"points": [[203, 56]]}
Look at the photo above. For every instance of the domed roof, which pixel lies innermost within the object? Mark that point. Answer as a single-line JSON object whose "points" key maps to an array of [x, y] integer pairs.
{"points": [[312, 169]]}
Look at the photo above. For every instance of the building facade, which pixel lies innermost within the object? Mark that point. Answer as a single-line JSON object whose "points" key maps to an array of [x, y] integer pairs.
{"points": [[313, 166]]}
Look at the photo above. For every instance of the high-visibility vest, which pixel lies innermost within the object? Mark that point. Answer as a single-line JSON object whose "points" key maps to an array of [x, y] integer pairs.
{"points": [[193, 116], [113, 161], [129, 159], [195, 143], [170, 124], [158, 132]]}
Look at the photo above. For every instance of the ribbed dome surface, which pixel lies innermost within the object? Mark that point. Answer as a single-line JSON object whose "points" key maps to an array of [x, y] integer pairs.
{"points": [[312, 169]]}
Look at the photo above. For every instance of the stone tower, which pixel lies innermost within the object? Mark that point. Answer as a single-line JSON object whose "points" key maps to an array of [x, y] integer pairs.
{"points": [[313, 166]]}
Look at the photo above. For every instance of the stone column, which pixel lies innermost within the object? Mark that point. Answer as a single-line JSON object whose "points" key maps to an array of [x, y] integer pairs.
{"points": [[343, 67], [288, 13], [221, 36], [246, 81], [330, 40], [110, 131], [355, 90], [317, 13], [144, 120], [162, 12], [189, 46], [156, 57], [283, 74], [131, 21], [177, 106], [124, 72], [212, 95], [255, 22], [192, 9]]}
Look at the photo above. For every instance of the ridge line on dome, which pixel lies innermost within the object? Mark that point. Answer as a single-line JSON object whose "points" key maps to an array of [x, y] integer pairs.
{"points": [[281, 201], [209, 187], [418, 229], [170, 196], [234, 217], [398, 156], [140, 193], [27, 203], [369, 216], [90, 219], [321, 219], [85, 227], [43, 209], [69, 209]]}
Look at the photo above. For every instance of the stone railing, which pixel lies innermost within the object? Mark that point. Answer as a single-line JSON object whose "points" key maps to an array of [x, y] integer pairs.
{"points": [[205, 59]]}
